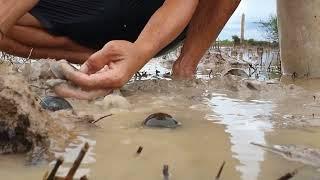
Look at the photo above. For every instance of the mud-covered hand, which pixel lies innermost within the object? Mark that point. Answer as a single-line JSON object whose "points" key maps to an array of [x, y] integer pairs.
{"points": [[111, 67]]}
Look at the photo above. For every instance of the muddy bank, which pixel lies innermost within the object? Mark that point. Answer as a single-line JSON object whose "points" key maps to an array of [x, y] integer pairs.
{"points": [[25, 127], [220, 116]]}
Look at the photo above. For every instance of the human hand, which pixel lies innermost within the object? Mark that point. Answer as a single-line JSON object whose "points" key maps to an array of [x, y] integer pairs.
{"points": [[111, 67]]}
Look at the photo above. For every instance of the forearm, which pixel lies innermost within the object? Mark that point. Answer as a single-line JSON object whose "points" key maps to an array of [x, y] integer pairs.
{"points": [[165, 25], [12, 10], [206, 24]]}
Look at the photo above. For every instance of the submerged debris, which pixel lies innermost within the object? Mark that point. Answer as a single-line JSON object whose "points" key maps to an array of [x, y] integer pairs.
{"points": [[161, 120], [55, 169], [99, 119], [139, 150], [252, 85], [301, 154], [220, 171], [165, 172], [289, 175], [72, 170]]}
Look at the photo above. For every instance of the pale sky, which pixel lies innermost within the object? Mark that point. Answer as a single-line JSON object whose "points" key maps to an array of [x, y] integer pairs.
{"points": [[255, 10]]}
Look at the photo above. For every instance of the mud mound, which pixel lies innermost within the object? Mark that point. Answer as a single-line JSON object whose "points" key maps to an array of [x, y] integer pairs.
{"points": [[24, 126]]}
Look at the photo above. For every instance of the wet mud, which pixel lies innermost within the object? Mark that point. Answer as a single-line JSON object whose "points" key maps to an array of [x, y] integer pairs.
{"points": [[25, 126], [221, 115]]}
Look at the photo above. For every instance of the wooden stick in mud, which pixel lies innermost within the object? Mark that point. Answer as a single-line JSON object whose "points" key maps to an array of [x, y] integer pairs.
{"points": [[210, 73], [84, 178], [55, 169], [77, 162], [99, 119], [220, 171], [139, 150], [289, 175], [165, 172]]}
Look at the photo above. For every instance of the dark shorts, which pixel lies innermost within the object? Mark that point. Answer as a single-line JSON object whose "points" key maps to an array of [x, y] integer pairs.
{"points": [[93, 23]]}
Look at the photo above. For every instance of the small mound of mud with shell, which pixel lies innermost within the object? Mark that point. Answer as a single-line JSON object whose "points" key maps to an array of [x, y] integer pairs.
{"points": [[24, 126]]}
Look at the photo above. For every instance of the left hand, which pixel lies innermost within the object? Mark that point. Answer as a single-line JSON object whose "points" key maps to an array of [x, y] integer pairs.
{"points": [[111, 67]]}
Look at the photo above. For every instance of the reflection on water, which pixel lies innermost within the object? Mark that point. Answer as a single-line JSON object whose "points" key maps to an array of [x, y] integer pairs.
{"points": [[71, 153], [214, 131], [244, 124]]}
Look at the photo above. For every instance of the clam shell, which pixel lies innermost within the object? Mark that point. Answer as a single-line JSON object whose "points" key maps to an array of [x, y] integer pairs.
{"points": [[161, 120], [54, 103]]}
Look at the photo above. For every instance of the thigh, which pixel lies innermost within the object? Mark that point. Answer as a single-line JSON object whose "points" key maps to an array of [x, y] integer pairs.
{"points": [[80, 20], [40, 38]]}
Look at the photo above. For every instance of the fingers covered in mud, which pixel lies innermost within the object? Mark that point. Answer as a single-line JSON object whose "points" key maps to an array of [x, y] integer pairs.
{"points": [[62, 87], [68, 91], [99, 80]]}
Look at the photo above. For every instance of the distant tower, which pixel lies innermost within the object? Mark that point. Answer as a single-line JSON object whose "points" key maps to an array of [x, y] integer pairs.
{"points": [[243, 19]]}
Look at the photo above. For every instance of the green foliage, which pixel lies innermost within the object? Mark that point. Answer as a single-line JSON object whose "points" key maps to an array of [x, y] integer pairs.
{"points": [[236, 40], [226, 43], [249, 42], [252, 42], [270, 26]]}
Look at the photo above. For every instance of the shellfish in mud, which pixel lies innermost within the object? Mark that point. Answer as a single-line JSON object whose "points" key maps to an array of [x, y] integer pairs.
{"points": [[24, 126], [54, 103], [237, 72], [64, 88], [161, 120]]}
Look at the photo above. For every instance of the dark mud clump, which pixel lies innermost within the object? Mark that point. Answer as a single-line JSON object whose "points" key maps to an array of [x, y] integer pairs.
{"points": [[24, 126]]}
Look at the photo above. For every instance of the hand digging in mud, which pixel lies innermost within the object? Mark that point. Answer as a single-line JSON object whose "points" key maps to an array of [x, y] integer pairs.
{"points": [[63, 88], [109, 68]]}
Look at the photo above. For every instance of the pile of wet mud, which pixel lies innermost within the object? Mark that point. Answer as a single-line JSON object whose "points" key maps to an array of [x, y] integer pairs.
{"points": [[27, 124], [24, 126]]}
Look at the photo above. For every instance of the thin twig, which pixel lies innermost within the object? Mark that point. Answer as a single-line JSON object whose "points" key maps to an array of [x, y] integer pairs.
{"points": [[165, 172], [77, 162], [210, 73], [55, 169], [38, 87], [139, 150], [30, 53], [99, 119], [220, 171], [290, 174]]}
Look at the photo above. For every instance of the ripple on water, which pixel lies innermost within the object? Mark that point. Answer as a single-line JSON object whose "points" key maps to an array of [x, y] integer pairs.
{"points": [[71, 153]]}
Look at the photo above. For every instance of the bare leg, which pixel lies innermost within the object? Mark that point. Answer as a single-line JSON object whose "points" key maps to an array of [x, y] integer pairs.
{"points": [[39, 38], [11, 11], [14, 47], [206, 24]]}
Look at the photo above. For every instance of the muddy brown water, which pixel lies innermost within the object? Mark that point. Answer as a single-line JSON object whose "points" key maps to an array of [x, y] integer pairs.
{"points": [[218, 124]]}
